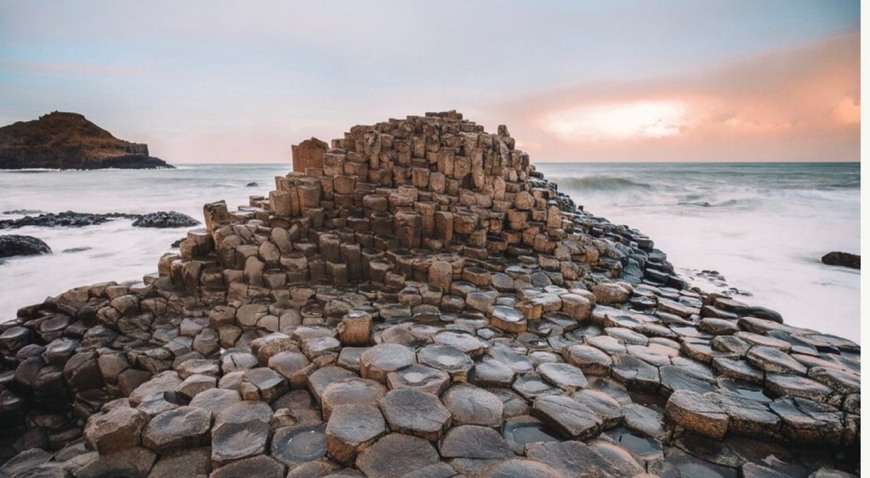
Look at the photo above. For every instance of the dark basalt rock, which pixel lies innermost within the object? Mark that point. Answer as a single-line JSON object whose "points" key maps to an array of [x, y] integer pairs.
{"points": [[15, 245], [163, 219], [845, 259]]}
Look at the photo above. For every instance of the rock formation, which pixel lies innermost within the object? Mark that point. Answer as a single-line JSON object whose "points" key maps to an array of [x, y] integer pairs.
{"points": [[845, 259], [422, 303], [15, 245], [69, 141]]}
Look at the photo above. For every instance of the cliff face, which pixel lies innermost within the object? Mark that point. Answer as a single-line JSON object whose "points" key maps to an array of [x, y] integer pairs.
{"points": [[69, 141]]}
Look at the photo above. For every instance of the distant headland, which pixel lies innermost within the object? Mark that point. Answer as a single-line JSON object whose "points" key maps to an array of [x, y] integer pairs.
{"points": [[61, 140]]}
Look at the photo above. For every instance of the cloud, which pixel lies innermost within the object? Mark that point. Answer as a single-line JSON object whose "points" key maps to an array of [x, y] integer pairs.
{"points": [[800, 103]]}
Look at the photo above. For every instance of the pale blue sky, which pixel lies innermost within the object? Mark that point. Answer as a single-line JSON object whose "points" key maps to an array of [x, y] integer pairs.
{"points": [[227, 81]]}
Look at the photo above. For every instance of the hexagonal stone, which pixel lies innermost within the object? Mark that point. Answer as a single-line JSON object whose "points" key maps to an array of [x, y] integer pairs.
{"points": [[470, 405], [396, 455], [243, 412], [605, 406], [620, 461], [738, 370], [116, 429], [698, 413], [448, 359], [635, 374], [474, 441], [415, 412], [260, 466], [351, 391], [774, 360], [215, 399], [519, 468], [507, 319], [747, 417], [718, 326], [678, 378], [154, 388], [299, 444], [489, 372], [184, 427], [467, 343], [292, 365], [378, 361], [350, 429], [193, 462], [522, 430], [531, 385], [563, 375], [131, 462], [234, 441], [573, 458], [268, 384], [808, 421], [840, 380], [803, 387], [194, 384], [517, 362], [591, 360], [234, 361], [324, 376], [419, 377], [566, 416]]}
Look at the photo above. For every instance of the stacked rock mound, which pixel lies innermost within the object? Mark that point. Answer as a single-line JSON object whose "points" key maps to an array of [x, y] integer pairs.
{"points": [[424, 304]]}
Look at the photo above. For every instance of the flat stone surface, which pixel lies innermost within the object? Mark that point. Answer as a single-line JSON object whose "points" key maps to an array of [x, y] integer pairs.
{"points": [[325, 376], [698, 413], [234, 441], [572, 458], [184, 427], [448, 359], [467, 343], [474, 441], [591, 360], [216, 399], [566, 416], [378, 361], [605, 406], [116, 429], [470, 405], [396, 455], [519, 468], [299, 444], [350, 429], [522, 430], [774, 360], [193, 462], [259, 466], [131, 463], [414, 412], [419, 377], [351, 391], [563, 375]]}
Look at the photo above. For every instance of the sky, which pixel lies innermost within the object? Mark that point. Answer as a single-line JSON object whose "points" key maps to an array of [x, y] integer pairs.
{"points": [[226, 81]]}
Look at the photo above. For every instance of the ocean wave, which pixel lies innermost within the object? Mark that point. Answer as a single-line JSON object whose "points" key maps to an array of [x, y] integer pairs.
{"points": [[601, 183]]}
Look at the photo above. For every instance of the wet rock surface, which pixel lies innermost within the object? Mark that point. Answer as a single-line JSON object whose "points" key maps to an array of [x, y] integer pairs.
{"points": [[423, 304], [16, 245], [165, 219], [160, 219]]}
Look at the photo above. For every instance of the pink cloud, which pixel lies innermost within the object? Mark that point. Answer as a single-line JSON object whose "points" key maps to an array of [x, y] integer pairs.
{"points": [[796, 104]]}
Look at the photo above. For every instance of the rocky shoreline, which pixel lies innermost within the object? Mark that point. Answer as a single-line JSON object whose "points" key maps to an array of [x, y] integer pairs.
{"points": [[159, 219], [422, 304]]}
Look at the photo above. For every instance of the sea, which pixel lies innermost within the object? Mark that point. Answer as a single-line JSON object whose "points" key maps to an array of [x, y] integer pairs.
{"points": [[755, 230]]}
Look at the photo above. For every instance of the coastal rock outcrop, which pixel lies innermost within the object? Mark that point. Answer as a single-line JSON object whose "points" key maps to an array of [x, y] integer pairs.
{"points": [[845, 259], [164, 219], [15, 245], [69, 141], [422, 303], [160, 219]]}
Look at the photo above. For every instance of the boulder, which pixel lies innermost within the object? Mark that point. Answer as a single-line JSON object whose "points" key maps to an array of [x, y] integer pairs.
{"points": [[15, 245]]}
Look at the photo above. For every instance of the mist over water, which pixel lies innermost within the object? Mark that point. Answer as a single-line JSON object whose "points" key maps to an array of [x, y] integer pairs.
{"points": [[763, 226]]}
